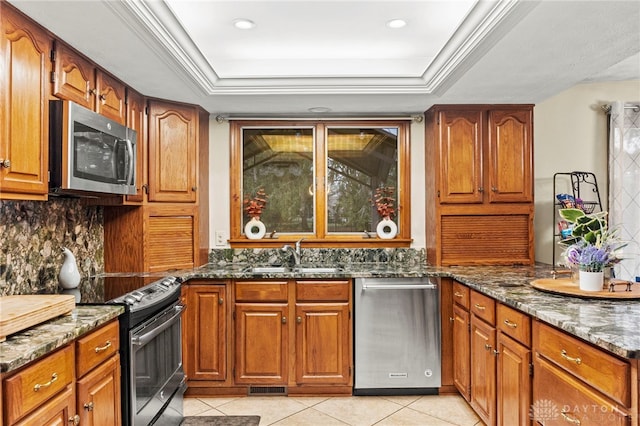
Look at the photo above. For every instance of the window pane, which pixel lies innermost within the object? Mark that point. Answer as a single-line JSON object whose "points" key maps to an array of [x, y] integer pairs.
{"points": [[280, 160], [359, 161]]}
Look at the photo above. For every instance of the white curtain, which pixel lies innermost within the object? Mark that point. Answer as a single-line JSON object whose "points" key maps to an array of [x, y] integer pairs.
{"points": [[624, 183]]}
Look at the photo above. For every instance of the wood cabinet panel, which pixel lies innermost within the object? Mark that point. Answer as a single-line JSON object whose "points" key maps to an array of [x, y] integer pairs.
{"points": [[510, 156], [74, 76], [96, 348], [137, 120], [111, 95], [205, 332], [462, 351], [24, 107], [98, 395], [37, 383], [322, 343], [173, 152], [513, 382], [262, 338], [483, 307], [461, 294], [323, 291], [513, 323], [483, 370], [261, 291], [601, 370], [58, 411]]}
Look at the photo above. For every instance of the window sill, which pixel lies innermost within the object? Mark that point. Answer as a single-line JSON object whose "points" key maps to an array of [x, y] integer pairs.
{"points": [[350, 242]]}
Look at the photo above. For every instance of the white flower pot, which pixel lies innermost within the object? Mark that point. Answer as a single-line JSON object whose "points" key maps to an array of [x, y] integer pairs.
{"points": [[591, 281], [254, 229], [387, 229]]}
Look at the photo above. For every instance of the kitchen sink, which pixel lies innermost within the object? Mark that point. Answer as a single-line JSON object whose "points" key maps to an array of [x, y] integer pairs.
{"points": [[317, 269], [268, 269]]}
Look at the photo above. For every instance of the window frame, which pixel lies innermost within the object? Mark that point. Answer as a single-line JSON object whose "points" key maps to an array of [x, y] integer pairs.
{"points": [[321, 238]]}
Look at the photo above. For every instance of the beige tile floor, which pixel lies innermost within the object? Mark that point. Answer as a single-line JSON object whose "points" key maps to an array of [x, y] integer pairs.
{"points": [[432, 410]]}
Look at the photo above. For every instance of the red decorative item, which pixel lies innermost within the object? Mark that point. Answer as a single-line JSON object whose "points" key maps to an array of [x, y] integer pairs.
{"points": [[254, 206], [384, 201]]}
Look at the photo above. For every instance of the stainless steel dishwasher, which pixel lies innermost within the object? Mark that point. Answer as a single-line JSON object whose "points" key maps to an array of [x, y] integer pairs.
{"points": [[397, 336]]}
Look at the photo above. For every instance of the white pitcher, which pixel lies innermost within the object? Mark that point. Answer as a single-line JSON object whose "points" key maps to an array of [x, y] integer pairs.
{"points": [[69, 276]]}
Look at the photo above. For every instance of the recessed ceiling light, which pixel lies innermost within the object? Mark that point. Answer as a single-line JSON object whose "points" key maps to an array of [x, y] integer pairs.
{"points": [[244, 24], [396, 23], [319, 110]]}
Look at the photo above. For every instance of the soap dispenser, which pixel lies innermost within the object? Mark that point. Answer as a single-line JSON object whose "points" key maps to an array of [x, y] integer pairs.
{"points": [[69, 276]]}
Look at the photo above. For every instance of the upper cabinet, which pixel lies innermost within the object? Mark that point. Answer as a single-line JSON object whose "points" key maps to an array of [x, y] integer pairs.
{"points": [[173, 152], [484, 154], [24, 108], [79, 80], [137, 120], [479, 184]]}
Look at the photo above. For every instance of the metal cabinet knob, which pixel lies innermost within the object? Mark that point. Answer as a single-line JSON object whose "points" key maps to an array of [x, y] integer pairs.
{"points": [[284, 320], [220, 301], [6, 163], [299, 320], [75, 420], [88, 406]]}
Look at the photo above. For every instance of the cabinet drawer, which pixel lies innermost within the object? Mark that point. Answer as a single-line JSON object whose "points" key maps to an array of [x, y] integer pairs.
{"points": [[37, 383], [96, 347], [321, 291], [483, 307], [461, 294], [560, 399], [261, 291], [607, 373], [59, 410], [514, 324]]}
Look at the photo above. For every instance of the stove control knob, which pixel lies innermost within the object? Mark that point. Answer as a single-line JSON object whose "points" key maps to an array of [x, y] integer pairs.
{"points": [[137, 295], [129, 300]]}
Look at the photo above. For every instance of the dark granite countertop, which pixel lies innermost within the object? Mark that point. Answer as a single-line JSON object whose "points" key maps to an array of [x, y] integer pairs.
{"points": [[28, 345]]}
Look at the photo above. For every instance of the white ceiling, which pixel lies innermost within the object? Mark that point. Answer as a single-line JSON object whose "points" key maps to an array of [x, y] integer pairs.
{"points": [[340, 55]]}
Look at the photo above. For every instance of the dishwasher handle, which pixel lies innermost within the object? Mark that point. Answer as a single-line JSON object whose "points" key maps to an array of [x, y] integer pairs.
{"points": [[399, 287]]}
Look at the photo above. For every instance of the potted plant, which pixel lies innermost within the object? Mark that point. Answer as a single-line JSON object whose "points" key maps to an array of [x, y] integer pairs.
{"points": [[591, 248], [253, 207], [384, 202]]}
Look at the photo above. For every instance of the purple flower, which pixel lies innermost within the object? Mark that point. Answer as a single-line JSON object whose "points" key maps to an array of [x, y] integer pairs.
{"points": [[590, 257]]}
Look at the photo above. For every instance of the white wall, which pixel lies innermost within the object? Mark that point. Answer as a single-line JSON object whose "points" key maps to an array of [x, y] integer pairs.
{"points": [[219, 191], [570, 133]]}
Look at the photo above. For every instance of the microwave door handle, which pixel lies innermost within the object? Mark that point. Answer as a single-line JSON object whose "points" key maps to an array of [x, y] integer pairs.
{"points": [[132, 165]]}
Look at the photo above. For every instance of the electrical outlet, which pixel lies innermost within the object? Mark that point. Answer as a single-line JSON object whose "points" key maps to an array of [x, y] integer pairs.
{"points": [[221, 238]]}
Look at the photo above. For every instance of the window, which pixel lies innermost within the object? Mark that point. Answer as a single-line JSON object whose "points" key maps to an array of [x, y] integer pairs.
{"points": [[319, 180]]}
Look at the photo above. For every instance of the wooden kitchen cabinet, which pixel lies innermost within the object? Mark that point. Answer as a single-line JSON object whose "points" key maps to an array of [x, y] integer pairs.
{"points": [[76, 78], [323, 337], [205, 330], [24, 107], [173, 152], [43, 392], [98, 372], [479, 174], [587, 385], [151, 237], [483, 370], [461, 340], [137, 120]]}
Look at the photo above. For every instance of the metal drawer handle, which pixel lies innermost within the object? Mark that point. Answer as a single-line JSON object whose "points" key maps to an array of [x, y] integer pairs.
{"points": [[569, 419], [37, 386], [480, 307], [106, 346], [510, 324], [458, 294], [564, 355]]}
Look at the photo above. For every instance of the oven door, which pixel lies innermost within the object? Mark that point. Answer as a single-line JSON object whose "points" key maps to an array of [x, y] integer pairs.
{"points": [[157, 375]]}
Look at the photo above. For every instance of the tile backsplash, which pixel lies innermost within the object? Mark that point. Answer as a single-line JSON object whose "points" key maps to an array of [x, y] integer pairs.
{"points": [[32, 235]]}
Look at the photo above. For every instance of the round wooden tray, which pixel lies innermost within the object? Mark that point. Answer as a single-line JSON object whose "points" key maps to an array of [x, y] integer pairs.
{"points": [[567, 287]]}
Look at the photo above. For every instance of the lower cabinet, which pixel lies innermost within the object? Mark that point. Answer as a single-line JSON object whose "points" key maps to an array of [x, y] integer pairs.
{"points": [[483, 370], [46, 392], [268, 336]]}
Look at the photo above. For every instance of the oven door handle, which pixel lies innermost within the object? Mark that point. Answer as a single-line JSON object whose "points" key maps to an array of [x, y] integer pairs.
{"points": [[147, 337], [399, 287]]}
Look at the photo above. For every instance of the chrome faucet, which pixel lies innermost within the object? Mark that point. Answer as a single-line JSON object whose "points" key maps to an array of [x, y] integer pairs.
{"points": [[295, 251]]}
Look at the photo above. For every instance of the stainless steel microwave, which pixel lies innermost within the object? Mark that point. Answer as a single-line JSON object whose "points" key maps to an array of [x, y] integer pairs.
{"points": [[89, 152]]}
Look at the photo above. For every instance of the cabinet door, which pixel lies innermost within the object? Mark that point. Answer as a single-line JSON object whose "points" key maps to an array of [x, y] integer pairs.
{"points": [[110, 97], [261, 340], [461, 157], [74, 77], [510, 156], [461, 351], [98, 395], [483, 370], [137, 120], [171, 237], [322, 343], [24, 111], [513, 382], [205, 332], [173, 154]]}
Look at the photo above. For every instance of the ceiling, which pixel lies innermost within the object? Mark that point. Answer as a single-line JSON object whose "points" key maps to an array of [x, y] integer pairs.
{"points": [[332, 57]]}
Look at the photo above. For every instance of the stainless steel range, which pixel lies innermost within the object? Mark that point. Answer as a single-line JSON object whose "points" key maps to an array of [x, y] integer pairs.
{"points": [[153, 380]]}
